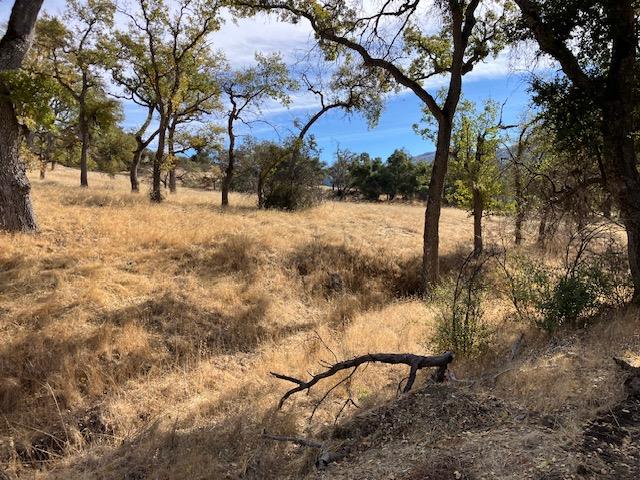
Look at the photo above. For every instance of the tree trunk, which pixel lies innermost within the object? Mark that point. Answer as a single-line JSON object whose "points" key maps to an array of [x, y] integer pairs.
{"points": [[542, 228], [520, 211], [43, 168], [84, 145], [16, 212], [478, 209], [623, 181], [156, 192], [133, 168], [430, 262], [260, 188], [172, 158], [228, 176], [172, 181], [619, 105], [607, 206]]}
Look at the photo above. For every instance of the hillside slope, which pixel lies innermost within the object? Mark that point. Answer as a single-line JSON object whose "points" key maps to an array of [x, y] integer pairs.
{"points": [[136, 342]]}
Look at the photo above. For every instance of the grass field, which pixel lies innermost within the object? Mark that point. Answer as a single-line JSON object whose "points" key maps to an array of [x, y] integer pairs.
{"points": [[136, 340]]}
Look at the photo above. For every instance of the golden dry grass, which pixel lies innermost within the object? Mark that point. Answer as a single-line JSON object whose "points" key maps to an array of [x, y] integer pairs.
{"points": [[136, 340]]}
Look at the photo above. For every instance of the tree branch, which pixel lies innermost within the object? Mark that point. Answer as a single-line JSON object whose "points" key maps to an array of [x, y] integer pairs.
{"points": [[415, 362]]}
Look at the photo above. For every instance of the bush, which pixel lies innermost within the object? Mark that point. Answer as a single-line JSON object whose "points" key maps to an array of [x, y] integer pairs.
{"points": [[460, 324], [594, 276], [295, 182]]}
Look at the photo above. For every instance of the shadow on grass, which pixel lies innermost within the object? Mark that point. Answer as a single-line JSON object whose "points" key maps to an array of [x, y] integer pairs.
{"points": [[327, 269]]}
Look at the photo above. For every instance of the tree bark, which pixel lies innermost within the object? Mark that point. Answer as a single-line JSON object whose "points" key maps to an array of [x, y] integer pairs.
{"points": [[133, 168], [173, 188], [478, 209], [156, 191], [431, 237], [84, 144], [16, 211], [228, 176], [607, 205], [542, 227]]}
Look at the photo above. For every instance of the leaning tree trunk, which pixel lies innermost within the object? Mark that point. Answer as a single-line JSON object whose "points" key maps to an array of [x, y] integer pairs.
{"points": [[430, 261], [478, 209], [133, 169], [84, 146], [16, 212]]}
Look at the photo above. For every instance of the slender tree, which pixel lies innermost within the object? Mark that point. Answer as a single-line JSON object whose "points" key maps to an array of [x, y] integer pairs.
{"points": [[475, 165], [246, 91], [16, 212], [164, 44], [69, 51], [393, 36]]}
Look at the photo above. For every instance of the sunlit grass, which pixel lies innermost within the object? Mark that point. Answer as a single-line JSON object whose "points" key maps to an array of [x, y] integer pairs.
{"points": [[165, 321]]}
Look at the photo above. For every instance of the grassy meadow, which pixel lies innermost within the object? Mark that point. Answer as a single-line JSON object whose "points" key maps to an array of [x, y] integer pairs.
{"points": [[136, 340]]}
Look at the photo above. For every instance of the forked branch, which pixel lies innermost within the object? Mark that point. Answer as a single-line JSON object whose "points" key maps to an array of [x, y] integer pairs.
{"points": [[414, 362]]}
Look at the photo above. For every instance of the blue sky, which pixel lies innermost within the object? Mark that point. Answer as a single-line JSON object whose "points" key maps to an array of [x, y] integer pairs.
{"points": [[504, 78], [401, 112]]}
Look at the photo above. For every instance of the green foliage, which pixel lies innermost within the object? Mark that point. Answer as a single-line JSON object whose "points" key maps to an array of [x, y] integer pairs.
{"points": [[570, 295], [400, 175], [339, 173], [460, 324], [295, 182], [368, 176], [474, 165], [34, 97], [267, 79], [112, 150]]}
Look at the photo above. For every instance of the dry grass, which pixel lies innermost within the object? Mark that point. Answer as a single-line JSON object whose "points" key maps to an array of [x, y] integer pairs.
{"points": [[136, 339]]}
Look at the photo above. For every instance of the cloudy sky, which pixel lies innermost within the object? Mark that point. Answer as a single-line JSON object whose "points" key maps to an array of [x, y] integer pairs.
{"points": [[502, 79]]}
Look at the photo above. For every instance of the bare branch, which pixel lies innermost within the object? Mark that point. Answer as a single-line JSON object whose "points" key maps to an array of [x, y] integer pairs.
{"points": [[415, 362]]}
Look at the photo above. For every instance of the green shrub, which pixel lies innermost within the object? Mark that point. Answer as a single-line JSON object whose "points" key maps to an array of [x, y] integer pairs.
{"points": [[460, 323], [595, 275]]}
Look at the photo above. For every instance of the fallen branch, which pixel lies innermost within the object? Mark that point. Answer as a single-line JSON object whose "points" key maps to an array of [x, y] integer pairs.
{"points": [[414, 362]]}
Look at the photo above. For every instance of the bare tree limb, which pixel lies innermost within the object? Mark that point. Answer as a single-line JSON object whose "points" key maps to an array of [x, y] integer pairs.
{"points": [[414, 362]]}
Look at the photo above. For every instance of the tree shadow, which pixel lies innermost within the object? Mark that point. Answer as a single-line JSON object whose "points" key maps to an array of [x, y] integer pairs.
{"points": [[327, 269], [236, 254]]}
